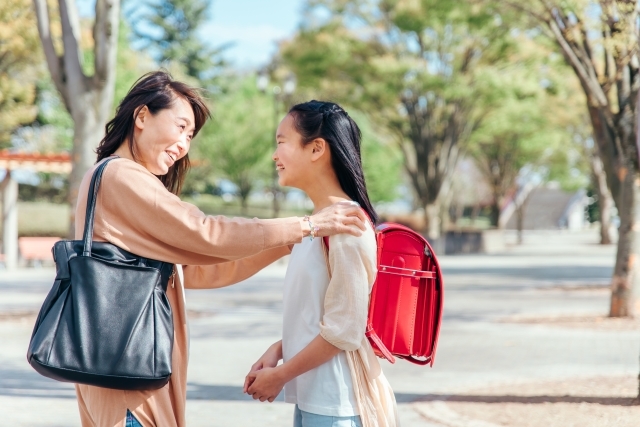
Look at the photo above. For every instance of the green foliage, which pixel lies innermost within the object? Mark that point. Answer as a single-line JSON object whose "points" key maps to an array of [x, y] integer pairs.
{"points": [[415, 67], [174, 40], [381, 161], [443, 79], [237, 143], [54, 121], [20, 55], [131, 64]]}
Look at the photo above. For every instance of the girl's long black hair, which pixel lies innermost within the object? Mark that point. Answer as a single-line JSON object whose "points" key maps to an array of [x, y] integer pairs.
{"points": [[329, 121]]}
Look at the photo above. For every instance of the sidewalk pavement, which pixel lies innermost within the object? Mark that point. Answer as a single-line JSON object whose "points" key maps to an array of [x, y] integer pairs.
{"points": [[552, 274]]}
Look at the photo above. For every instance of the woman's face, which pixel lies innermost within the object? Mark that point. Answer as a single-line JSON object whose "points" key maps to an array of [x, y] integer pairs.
{"points": [[164, 138], [293, 159]]}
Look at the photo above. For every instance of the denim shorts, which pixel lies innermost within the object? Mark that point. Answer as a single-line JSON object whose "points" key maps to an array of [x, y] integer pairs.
{"points": [[307, 419], [131, 420]]}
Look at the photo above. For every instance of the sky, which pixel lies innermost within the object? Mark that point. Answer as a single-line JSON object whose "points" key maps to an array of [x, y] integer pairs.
{"points": [[253, 26]]}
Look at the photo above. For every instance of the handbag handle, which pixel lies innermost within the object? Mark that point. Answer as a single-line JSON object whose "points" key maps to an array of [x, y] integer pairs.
{"points": [[91, 207]]}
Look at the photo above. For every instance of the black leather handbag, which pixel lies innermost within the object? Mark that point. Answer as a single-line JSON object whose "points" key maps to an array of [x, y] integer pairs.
{"points": [[107, 320]]}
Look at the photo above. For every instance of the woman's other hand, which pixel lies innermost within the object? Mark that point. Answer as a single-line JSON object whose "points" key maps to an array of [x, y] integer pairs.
{"points": [[269, 359], [266, 384], [341, 217]]}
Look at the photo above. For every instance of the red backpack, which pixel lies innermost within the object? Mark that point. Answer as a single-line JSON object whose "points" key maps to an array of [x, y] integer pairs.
{"points": [[405, 306]]}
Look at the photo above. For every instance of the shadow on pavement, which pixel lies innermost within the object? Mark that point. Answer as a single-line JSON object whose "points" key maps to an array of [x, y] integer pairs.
{"points": [[24, 383], [30, 384], [607, 401], [197, 391]]}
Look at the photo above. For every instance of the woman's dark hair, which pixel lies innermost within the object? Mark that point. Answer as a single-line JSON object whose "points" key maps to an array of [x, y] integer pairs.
{"points": [[329, 121], [158, 91]]}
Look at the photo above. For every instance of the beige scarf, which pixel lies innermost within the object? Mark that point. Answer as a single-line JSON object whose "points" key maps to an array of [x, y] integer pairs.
{"points": [[374, 396]]}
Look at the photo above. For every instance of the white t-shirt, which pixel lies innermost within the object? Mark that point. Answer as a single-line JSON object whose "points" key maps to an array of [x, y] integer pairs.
{"points": [[327, 389]]}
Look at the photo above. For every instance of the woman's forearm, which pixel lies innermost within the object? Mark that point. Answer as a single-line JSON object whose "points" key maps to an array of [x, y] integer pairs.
{"points": [[232, 272], [318, 351]]}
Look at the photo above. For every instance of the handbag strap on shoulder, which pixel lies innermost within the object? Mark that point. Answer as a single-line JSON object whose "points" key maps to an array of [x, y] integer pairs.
{"points": [[91, 207]]}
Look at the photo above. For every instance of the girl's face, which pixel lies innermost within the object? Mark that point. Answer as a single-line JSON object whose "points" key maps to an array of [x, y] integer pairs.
{"points": [[164, 138], [294, 160]]}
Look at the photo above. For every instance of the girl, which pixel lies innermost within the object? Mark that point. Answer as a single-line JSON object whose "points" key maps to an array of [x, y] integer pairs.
{"points": [[329, 369]]}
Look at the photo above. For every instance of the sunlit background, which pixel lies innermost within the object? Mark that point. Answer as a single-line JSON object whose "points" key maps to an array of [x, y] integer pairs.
{"points": [[504, 131]]}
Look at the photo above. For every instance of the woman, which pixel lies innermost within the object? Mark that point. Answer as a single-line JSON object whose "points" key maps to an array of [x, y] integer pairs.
{"points": [[138, 210], [330, 371]]}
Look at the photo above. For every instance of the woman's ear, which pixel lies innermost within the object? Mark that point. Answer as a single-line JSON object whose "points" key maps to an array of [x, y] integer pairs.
{"points": [[140, 115], [318, 149]]}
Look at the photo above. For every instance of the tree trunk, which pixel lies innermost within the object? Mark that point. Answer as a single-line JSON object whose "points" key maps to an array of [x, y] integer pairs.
{"points": [[520, 208], [432, 221], [89, 119], [625, 274], [495, 213], [605, 201], [88, 99], [243, 204]]}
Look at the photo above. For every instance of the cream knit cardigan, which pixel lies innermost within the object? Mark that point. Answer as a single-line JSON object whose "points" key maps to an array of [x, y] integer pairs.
{"points": [[350, 262]]}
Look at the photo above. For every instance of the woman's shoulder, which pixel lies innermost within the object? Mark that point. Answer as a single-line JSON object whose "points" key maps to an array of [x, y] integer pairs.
{"points": [[128, 180], [122, 172], [118, 166]]}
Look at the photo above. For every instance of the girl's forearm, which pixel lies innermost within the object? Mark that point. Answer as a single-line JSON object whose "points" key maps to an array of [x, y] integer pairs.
{"points": [[318, 351], [277, 346]]}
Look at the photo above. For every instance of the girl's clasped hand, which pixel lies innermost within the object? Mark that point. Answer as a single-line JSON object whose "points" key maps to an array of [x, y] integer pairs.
{"points": [[264, 382]]}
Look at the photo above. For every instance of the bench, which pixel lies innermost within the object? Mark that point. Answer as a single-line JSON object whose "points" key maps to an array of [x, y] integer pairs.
{"points": [[36, 250]]}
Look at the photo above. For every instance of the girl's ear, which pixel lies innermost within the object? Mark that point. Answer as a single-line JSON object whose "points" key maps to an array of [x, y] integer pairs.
{"points": [[140, 116], [318, 149]]}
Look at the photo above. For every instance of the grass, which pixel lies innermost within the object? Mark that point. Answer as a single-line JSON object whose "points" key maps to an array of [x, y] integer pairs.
{"points": [[42, 219]]}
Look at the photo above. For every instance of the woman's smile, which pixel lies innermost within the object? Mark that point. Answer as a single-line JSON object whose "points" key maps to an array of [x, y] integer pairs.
{"points": [[173, 156]]}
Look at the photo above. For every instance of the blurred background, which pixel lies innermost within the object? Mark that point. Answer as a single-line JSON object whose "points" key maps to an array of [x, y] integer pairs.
{"points": [[505, 131]]}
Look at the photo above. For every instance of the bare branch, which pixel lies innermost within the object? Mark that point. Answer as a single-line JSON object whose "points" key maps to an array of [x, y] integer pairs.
{"points": [[71, 40], [528, 11], [593, 87], [54, 62], [105, 35]]}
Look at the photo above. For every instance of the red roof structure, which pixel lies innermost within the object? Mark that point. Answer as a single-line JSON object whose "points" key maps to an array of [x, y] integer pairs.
{"points": [[52, 162]]}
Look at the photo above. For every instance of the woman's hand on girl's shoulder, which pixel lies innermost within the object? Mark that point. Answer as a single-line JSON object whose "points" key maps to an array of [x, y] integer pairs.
{"points": [[341, 217]]}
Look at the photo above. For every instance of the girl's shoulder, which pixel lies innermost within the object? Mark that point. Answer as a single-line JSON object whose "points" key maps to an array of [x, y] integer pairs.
{"points": [[364, 244]]}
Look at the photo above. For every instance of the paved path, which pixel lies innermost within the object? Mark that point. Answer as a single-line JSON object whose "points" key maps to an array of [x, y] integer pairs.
{"points": [[553, 273]]}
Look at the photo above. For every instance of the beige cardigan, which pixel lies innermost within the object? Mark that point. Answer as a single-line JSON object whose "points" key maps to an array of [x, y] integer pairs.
{"points": [[352, 270], [135, 212]]}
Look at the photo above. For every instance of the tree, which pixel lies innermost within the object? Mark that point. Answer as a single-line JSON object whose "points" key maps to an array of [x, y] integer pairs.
{"points": [[381, 161], [173, 37], [599, 41], [131, 64], [19, 56], [413, 67], [530, 125], [87, 97], [511, 137], [238, 141]]}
